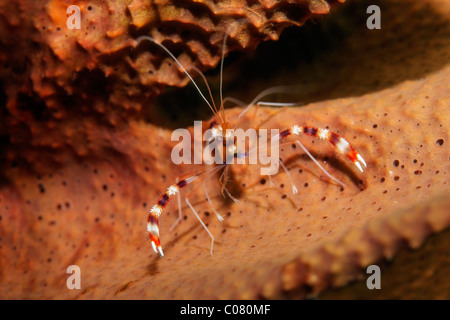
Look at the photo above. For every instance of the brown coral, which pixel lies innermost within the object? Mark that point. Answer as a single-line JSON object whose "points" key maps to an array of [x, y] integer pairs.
{"points": [[55, 79], [117, 80], [91, 212]]}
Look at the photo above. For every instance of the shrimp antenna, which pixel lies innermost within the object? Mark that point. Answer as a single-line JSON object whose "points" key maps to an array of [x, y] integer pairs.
{"points": [[138, 40], [215, 111], [221, 72], [269, 91]]}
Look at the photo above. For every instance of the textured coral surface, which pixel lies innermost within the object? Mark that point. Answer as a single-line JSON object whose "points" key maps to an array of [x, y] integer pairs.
{"points": [[54, 72], [78, 193]]}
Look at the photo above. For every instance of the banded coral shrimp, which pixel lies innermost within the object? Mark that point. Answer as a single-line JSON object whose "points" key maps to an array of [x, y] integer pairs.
{"points": [[220, 136]]}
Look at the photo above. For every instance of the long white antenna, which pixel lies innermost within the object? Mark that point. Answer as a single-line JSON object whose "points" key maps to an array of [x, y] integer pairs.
{"points": [[221, 67], [269, 91], [138, 40]]}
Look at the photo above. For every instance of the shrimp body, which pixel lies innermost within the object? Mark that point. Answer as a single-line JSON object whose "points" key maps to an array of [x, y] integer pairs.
{"points": [[157, 209], [227, 148]]}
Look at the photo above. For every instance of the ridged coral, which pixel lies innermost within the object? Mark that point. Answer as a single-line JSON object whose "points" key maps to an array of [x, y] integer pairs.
{"points": [[116, 79], [54, 78], [90, 211]]}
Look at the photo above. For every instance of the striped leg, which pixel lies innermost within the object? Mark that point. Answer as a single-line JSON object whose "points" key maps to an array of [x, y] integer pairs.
{"points": [[342, 145], [156, 210]]}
